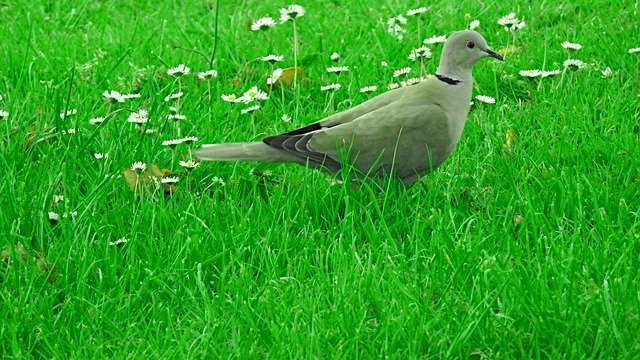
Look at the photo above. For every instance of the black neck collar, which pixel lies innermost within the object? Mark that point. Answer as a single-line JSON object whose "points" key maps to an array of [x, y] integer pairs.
{"points": [[448, 80]]}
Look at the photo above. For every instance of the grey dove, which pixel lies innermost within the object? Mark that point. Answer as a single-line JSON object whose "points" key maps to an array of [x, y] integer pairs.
{"points": [[405, 133]]}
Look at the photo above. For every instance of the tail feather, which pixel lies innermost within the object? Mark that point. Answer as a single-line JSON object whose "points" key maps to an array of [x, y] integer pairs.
{"points": [[245, 151]]}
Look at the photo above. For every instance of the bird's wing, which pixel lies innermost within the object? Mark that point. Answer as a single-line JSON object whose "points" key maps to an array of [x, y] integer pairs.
{"points": [[400, 131]]}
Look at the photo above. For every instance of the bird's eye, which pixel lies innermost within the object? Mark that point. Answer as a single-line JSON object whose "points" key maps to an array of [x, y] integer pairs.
{"points": [[471, 44]]}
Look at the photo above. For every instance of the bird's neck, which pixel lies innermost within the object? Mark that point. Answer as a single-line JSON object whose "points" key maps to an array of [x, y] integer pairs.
{"points": [[451, 72]]}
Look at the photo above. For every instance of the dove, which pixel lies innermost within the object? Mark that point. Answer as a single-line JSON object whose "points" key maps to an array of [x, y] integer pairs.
{"points": [[403, 133]]}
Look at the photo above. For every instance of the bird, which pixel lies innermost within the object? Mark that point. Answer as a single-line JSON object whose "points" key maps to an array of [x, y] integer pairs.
{"points": [[403, 133]]}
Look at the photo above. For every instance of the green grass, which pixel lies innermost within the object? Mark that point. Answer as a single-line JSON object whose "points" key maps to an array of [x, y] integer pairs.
{"points": [[527, 251]]}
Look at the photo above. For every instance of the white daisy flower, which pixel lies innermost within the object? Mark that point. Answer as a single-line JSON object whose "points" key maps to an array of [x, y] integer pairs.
{"points": [[118, 242], [189, 164], [366, 89], [286, 118], [435, 39], [330, 87], [139, 117], [206, 75], [573, 64], [474, 24], [291, 13], [173, 109], [138, 166], [397, 31], [400, 72], [113, 96], [398, 20], [101, 155], [149, 131], [422, 52], [548, 73], [338, 69], [250, 109], [172, 142], [606, 72], [335, 57], [511, 22], [53, 217], [384, 64], [170, 97], [179, 70], [169, 180], [393, 86], [189, 139], [418, 11], [275, 76], [571, 46], [253, 94], [634, 50], [68, 113], [231, 98], [130, 96], [263, 24], [485, 99], [217, 180], [176, 117], [272, 58], [530, 73], [1, 98], [410, 81], [3, 115]]}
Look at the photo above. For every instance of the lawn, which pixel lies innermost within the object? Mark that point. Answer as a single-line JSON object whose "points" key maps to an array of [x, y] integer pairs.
{"points": [[525, 243]]}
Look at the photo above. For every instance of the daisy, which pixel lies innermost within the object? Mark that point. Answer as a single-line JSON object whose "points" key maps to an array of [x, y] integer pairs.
{"points": [[272, 58], [384, 64], [291, 13], [189, 139], [169, 180], [547, 73], [435, 39], [286, 118], [170, 97], [422, 52], [250, 109], [130, 96], [337, 69], [68, 113], [474, 24], [179, 70], [398, 20], [3, 114], [418, 11], [53, 217], [253, 94], [173, 109], [217, 180], [606, 72], [231, 98], [113, 96], [511, 22], [149, 131], [367, 89], [335, 57], [139, 117], [410, 81], [263, 24], [101, 155], [172, 142], [571, 46], [1, 98], [176, 117], [275, 76], [189, 164], [634, 50], [138, 166], [118, 242], [400, 72], [530, 73], [573, 64], [206, 75], [485, 99], [393, 86], [330, 87]]}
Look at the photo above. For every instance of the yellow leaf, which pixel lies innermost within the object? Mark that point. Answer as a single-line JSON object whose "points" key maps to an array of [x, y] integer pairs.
{"points": [[286, 79], [508, 50]]}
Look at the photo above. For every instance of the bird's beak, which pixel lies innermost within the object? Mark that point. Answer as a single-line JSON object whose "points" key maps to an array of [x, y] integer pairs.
{"points": [[494, 54]]}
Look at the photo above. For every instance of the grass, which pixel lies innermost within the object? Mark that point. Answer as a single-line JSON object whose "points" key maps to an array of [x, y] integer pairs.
{"points": [[526, 250]]}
